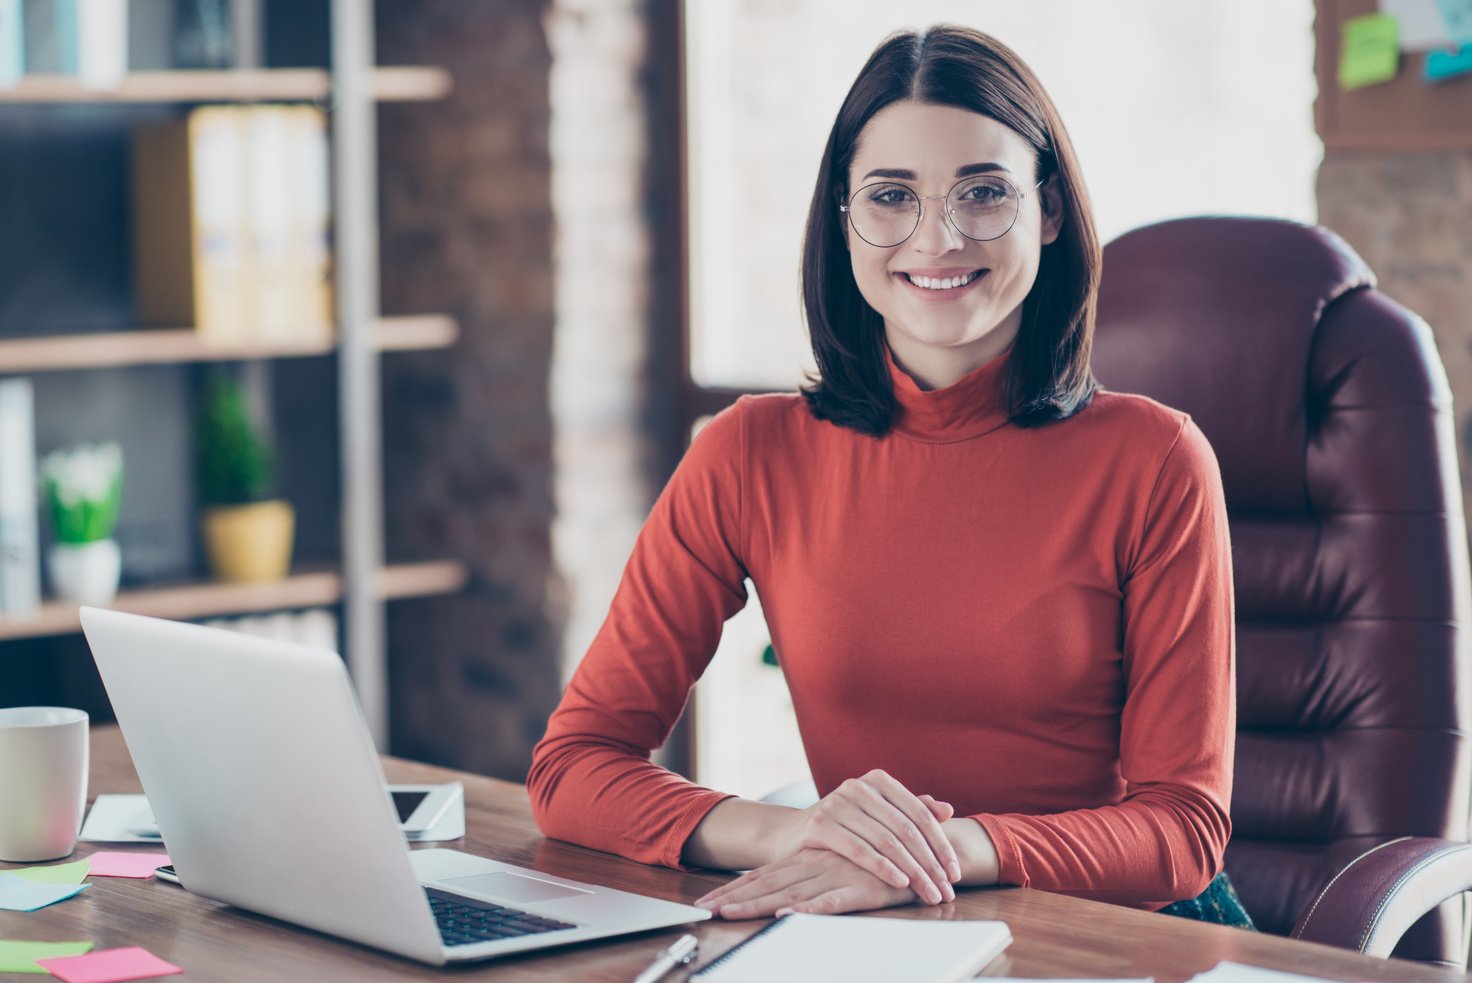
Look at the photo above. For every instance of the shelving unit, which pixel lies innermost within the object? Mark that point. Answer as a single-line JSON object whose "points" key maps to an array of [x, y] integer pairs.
{"points": [[212, 599], [362, 582], [169, 346], [262, 85]]}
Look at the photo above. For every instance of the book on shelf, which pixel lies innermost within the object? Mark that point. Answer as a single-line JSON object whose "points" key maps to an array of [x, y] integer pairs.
{"points": [[20, 560], [50, 36], [231, 222], [12, 43]]}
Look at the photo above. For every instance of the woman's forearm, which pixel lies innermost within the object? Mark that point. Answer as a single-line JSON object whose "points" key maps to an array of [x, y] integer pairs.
{"points": [[737, 834]]}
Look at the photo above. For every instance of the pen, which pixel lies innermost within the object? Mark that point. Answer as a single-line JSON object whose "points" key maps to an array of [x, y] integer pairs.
{"points": [[682, 952]]}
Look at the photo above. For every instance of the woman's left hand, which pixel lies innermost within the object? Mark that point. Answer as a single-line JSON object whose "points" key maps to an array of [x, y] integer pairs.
{"points": [[815, 881]]}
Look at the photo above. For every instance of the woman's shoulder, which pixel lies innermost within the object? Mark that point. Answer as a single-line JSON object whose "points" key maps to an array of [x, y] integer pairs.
{"points": [[1153, 430], [1139, 417]]}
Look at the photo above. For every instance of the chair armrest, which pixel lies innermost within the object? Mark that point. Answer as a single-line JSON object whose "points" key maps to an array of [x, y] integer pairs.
{"points": [[1371, 903]]}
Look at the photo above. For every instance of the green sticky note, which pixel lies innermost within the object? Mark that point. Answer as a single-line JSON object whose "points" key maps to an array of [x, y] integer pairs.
{"points": [[1369, 51], [20, 957], [72, 873]]}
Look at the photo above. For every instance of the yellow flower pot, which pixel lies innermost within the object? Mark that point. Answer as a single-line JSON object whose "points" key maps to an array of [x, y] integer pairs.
{"points": [[250, 543]]}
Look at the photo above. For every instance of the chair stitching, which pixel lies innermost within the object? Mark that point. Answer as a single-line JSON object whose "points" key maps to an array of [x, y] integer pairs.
{"points": [[1344, 870], [1373, 925]]}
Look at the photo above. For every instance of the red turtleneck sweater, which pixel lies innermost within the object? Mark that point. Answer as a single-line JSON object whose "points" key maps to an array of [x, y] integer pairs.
{"points": [[1034, 625]]}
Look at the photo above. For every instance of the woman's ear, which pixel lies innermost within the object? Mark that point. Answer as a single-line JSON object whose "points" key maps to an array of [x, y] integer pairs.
{"points": [[1050, 200]]}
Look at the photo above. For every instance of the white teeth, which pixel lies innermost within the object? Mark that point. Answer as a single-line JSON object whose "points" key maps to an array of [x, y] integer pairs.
{"points": [[944, 283]]}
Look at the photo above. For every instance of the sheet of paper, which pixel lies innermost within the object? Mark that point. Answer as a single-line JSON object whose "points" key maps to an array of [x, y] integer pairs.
{"points": [[110, 966], [1421, 26], [1229, 972], [19, 894], [111, 817], [1369, 51], [72, 873], [127, 864], [20, 957]]}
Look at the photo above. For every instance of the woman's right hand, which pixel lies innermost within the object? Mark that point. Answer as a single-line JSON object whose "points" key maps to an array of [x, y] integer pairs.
{"points": [[884, 828]]}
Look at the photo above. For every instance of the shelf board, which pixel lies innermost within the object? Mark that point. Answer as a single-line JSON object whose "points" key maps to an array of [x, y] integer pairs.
{"points": [[109, 349], [398, 84], [189, 602]]}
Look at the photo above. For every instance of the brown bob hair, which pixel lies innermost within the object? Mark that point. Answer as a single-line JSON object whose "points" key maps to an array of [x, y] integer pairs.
{"points": [[1049, 376]]}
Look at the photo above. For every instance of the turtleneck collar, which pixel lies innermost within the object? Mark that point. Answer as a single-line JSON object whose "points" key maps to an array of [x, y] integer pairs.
{"points": [[975, 404]]}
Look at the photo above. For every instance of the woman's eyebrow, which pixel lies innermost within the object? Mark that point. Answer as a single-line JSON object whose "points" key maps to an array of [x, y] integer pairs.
{"points": [[900, 174]]}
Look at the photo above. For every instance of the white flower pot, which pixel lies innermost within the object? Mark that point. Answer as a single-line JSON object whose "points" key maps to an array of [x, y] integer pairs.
{"points": [[86, 573]]}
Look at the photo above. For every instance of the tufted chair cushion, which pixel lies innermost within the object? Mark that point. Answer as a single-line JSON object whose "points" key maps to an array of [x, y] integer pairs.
{"points": [[1330, 413]]}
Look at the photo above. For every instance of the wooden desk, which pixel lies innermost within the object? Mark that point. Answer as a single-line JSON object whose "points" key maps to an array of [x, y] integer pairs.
{"points": [[1054, 935]]}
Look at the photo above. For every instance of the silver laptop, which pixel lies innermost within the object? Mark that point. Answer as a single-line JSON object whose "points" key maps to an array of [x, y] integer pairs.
{"points": [[269, 795]]}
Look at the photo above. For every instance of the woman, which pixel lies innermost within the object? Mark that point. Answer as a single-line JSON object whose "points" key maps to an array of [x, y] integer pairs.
{"points": [[1002, 600]]}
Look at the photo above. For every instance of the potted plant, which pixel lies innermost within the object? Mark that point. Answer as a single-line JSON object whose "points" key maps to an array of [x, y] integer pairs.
{"points": [[247, 529], [83, 489]]}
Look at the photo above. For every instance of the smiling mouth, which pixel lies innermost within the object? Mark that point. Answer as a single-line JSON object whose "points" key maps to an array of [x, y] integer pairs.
{"points": [[942, 283]]}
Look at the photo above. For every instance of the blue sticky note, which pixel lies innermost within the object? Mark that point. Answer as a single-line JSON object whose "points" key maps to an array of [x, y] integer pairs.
{"points": [[19, 894], [1449, 64]]}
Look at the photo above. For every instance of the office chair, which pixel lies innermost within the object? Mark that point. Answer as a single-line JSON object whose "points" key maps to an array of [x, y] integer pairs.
{"points": [[1329, 410]]}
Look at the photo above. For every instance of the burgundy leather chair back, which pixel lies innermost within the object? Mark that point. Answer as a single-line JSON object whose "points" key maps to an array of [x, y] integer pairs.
{"points": [[1329, 411]]}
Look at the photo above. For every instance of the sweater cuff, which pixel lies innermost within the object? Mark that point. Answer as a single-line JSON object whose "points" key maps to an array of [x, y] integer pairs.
{"points": [[1010, 870], [699, 806]]}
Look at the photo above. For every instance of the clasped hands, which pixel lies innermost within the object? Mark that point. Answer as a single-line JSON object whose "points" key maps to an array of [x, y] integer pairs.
{"points": [[870, 843]]}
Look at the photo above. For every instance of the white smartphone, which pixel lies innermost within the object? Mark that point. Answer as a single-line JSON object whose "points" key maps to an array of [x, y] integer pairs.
{"points": [[419, 807]]}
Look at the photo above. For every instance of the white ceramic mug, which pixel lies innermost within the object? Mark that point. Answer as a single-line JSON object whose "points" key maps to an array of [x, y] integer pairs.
{"points": [[43, 782]]}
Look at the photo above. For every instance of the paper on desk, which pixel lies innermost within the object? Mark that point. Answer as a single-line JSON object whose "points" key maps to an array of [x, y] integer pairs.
{"points": [[1228, 972], [110, 818], [72, 873], [19, 894], [110, 966], [20, 957], [127, 864]]}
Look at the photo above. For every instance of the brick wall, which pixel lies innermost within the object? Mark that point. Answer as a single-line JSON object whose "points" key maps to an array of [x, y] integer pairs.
{"points": [[529, 205], [1410, 217], [467, 228]]}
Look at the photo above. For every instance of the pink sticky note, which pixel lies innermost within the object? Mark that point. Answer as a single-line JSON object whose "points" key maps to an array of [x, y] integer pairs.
{"points": [[109, 966], [127, 864]]}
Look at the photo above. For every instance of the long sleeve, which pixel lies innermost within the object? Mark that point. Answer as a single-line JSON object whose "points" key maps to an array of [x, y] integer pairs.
{"points": [[591, 780], [1165, 840]]}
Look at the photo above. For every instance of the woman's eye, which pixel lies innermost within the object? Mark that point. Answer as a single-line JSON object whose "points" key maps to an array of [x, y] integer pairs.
{"points": [[984, 194], [891, 197]]}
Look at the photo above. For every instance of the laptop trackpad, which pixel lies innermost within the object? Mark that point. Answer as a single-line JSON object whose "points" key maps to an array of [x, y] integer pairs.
{"points": [[507, 886]]}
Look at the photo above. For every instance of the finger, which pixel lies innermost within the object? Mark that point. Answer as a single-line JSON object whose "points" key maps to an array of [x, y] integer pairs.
{"points": [[943, 810], [836, 902], [857, 851], [905, 801], [881, 810], [764, 901], [761, 882], [882, 840]]}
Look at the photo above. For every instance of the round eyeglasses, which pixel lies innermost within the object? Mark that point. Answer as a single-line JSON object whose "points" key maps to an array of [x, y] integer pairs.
{"points": [[981, 208]]}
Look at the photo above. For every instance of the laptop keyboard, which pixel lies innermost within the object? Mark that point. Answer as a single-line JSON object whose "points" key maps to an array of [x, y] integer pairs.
{"points": [[464, 920]]}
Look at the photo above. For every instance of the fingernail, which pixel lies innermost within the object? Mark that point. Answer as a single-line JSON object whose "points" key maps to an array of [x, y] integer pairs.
{"points": [[781, 911], [955, 870], [933, 894]]}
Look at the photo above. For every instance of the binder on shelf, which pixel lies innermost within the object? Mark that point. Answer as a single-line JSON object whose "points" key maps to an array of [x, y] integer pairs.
{"points": [[20, 561], [102, 42], [12, 43], [230, 224], [50, 32]]}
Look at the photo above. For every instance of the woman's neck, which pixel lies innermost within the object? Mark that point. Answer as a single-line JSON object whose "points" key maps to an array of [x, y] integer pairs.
{"points": [[939, 366]]}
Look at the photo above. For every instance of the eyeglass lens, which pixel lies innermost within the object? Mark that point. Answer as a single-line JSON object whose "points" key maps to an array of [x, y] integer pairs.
{"points": [[981, 208]]}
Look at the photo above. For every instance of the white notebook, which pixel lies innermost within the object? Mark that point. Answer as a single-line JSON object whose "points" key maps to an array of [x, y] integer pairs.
{"points": [[860, 949]]}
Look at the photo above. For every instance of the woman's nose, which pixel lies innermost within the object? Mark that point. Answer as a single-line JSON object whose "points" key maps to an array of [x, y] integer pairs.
{"points": [[935, 234]]}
